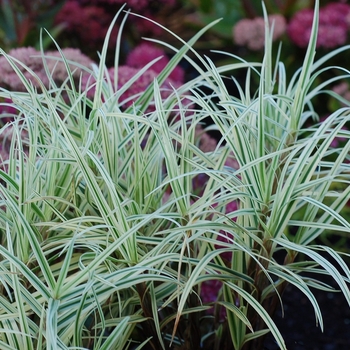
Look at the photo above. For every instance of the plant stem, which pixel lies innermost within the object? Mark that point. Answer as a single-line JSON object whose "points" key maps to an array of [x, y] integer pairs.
{"points": [[149, 329]]}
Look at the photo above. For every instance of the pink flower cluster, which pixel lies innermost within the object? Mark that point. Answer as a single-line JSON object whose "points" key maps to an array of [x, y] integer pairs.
{"points": [[145, 53], [139, 57], [136, 5], [86, 22], [126, 73], [251, 32], [30, 58], [33, 59], [333, 26], [87, 25]]}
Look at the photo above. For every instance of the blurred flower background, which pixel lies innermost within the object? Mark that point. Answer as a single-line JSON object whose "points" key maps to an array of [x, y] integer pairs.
{"points": [[82, 24]]}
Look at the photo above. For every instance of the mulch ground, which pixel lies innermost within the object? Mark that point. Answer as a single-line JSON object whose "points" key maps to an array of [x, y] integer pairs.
{"points": [[298, 326]]}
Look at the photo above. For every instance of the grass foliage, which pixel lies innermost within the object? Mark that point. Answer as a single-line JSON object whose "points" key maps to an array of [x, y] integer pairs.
{"points": [[103, 242]]}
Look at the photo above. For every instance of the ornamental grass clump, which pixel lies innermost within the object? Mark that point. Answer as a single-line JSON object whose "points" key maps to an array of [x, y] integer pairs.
{"points": [[108, 243]]}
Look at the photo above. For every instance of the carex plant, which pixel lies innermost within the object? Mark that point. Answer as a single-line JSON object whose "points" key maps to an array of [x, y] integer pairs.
{"points": [[106, 242]]}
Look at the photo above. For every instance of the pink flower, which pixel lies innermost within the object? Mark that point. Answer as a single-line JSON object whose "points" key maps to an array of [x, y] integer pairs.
{"points": [[336, 13], [87, 24], [144, 53], [30, 58], [75, 59], [71, 15], [251, 32], [299, 28], [134, 4], [125, 73], [333, 26], [279, 25], [147, 27], [33, 60], [88, 20]]}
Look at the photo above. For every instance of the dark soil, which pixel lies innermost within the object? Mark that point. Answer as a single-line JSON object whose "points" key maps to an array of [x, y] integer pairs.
{"points": [[298, 326]]}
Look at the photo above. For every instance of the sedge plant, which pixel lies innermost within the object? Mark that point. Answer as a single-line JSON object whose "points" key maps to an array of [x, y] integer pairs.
{"points": [[106, 242]]}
